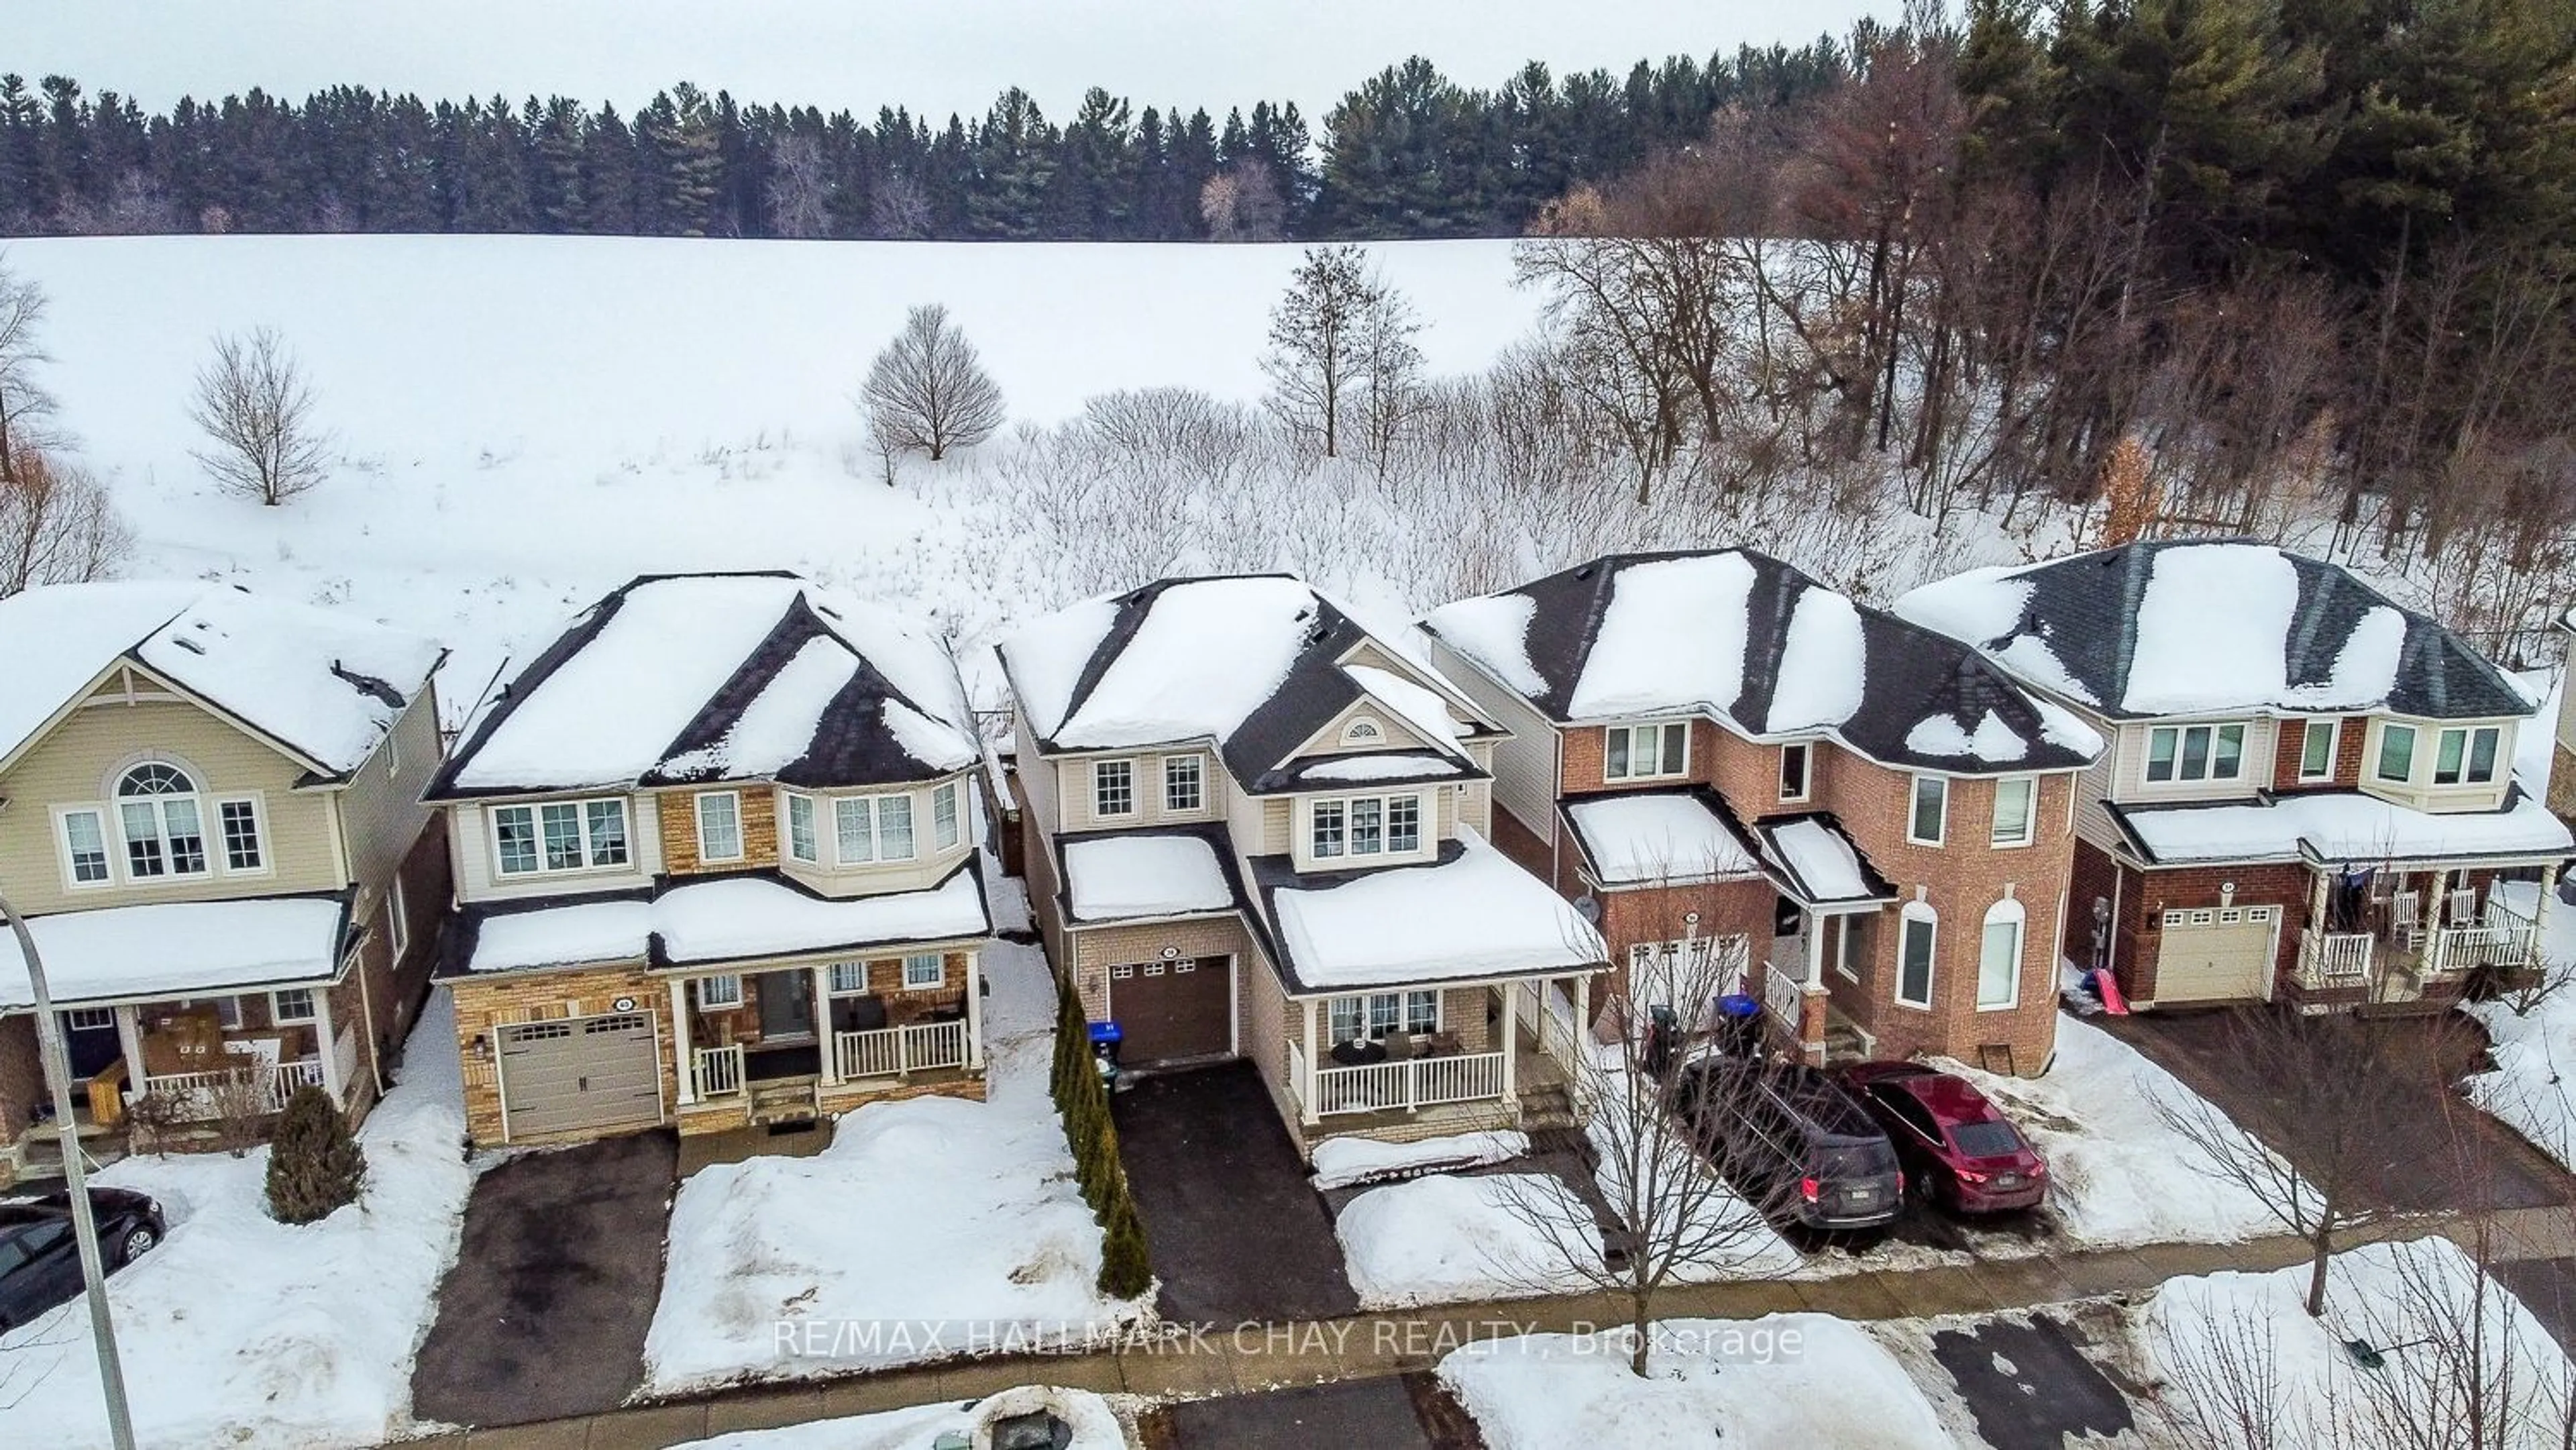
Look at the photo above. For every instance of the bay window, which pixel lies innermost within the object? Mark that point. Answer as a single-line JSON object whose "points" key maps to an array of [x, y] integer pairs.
{"points": [[2396, 763], [2466, 755], [943, 816], [802, 843], [2015, 795]]}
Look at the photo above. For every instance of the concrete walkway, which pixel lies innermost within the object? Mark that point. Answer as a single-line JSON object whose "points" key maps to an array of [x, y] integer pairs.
{"points": [[1227, 1361]]}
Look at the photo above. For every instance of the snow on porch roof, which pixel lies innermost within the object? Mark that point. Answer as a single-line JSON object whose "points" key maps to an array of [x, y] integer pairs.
{"points": [[1658, 836], [1121, 878], [1817, 862], [2340, 826], [177, 949], [718, 919], [1472, 915]]}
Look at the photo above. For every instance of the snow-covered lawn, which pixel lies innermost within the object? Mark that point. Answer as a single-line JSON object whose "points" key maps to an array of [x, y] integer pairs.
{"points": [[1095, 1424], [2535, 1053], [1444, 1239], [1342, 1162], [929, 1228], [241, 1331], [2118, 1174], [1781, 1380]]}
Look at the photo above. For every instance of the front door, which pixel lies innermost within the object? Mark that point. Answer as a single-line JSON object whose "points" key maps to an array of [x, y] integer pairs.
{"points": [[786, 1006], [89, 1037]]}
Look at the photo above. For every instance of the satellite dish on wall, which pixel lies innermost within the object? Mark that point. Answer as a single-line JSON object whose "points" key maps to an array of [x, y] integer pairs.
{"points": [[1588, 908]]}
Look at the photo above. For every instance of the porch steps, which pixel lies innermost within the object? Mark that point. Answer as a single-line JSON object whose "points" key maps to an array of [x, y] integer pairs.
{"points": [[1547, 1109], [786, 1100]]}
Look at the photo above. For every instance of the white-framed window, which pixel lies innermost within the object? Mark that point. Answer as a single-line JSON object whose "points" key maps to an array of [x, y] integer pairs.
{"points": [[872, 828], [1365, 825], [1362, 731], [2396, 762], [84, 834], [1914, 946], [1381, 1013], [924, 971], [559, 836], [849, 979], [1999, 956], [1113, 787], [802, 843], [1793, 772], [943, 816], [237, 820], [2016, 810], [397, 919], [1927, 817], [157, 814], [719, 825], [2317, 748], [1646, 752], [1184, 782], [89, 1019], [2195, 752], [2466, 755], [291, 1006], [723, 991]]}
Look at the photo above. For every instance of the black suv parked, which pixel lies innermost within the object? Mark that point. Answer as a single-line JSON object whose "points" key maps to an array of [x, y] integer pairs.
{"points": [[1793, 1139], [40, 1264]]}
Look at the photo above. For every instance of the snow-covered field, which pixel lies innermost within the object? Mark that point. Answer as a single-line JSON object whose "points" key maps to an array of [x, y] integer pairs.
{"points": [[241, 1331], [929, 1229], [1445, 1239], [2530, 1089]]}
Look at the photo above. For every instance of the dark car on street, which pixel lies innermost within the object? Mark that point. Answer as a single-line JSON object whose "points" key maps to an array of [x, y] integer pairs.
{"points": [[1964, 1153], [1794, 1140], [40, 1259]]}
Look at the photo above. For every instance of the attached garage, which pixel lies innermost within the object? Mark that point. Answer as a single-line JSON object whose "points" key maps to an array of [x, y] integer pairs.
{"points": [[580, 1075], [1173, 1009], [2216, 954]]}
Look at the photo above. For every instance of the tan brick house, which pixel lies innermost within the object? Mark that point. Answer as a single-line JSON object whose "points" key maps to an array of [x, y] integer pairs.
{"points": [[1726, 759], [209, 813], [1256, 830], [715, 865], [2309, 793]]}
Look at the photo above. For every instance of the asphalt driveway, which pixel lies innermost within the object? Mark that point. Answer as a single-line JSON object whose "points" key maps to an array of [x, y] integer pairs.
{"points": [[1237, 1231], [544, 1315], [1382, 1414]]}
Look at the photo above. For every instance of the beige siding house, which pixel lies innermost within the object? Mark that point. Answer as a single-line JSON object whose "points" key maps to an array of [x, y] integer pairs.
{"points": [[209, 814], [715, 865]]}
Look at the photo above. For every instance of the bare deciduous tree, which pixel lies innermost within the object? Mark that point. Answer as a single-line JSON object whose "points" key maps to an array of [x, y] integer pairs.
{"points": [[257, 410], [1337, 325], [26, 407], [1242, 204], [800, 188], [927, 392], [57, 525], [898, 208]]}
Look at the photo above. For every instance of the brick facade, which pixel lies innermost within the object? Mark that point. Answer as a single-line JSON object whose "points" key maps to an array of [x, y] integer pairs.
{"points": [[2562, 778], [758, 809], [2289, 743]]}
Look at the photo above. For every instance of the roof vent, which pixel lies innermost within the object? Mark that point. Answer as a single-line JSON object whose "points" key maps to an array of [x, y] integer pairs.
{"points": [[190, 645]]}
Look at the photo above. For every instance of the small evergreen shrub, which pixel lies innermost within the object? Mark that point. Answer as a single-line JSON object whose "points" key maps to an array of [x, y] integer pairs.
{"points": [[315, 1166]]}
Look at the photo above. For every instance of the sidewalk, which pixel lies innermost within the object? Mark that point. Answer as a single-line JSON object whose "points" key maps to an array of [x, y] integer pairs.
{"points": [[1227, 1361]]}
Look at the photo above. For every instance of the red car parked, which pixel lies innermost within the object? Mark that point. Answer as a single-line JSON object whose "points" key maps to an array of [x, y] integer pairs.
{"points": [[1964, 1151]]}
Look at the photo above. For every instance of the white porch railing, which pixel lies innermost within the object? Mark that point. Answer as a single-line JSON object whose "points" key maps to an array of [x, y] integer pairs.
{"points": [[1784, 996], [261, 1088], [894, 1051], [2458, 948], [2336, 958], [1416, 1082], [1297, 1072], [718, 1071]]}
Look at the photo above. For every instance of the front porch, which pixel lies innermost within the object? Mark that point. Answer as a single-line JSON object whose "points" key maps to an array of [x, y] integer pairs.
{"points": [[1397, 1085], [794, 1044], [2411, 940]]}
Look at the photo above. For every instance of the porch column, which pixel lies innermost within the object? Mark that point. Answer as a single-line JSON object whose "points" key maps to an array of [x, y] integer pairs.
{"points": [[329, 1049], [2540, 913], [1582, 1032], [829, 1055], [2437, 917], [680, 1041], [1815, 951], [129, 1042], [2317, 901], [1512, 1041], [1306, 1089], [975, 1011]]}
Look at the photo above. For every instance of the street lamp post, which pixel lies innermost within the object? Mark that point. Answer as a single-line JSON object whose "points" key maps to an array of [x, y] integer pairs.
{"points": [[58, 1082]]}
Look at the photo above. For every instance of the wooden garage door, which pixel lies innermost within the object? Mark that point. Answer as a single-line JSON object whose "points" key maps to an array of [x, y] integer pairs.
{"points": [[2216, 954], [1173, 1009], [593, 1074]]}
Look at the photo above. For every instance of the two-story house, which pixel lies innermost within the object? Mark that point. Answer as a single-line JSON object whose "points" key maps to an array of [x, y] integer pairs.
{"points": [[2562, 755], [1256, 830], [2309, 790], [209, 814], [715, 865], [1725, 758]]}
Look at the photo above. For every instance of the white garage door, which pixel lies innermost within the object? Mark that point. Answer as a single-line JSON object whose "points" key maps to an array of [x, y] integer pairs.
{"points": [[2216, 954], [580, 1074]]}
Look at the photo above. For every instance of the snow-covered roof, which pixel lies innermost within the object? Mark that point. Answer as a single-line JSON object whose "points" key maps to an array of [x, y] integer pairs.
{"points": [[321, 683], [1817, 862], [1745, 638], [177, 949], [695, 677], [747, 917], [1256, 663], [1471, 915], [1658, 837], [1125, 877], [1385, 767], [2182, 628], [2343, 826]]}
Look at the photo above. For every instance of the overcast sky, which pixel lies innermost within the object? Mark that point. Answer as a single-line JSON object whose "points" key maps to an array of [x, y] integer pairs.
{"points": [[935, 56]]}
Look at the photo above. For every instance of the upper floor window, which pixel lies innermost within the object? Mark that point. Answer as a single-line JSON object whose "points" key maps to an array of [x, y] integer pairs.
{"points": [[1793, 772], [943, 816], [2466, 755], [85, 847], [1113, 787], [873, 828], [1366, 825], [1929, 820], [2016, 799], [2396, 763], [156, 811], [1184, 782], [1644, 752], [2195, 752], [2317, 749], [1362, 731], [559, 836], [239, 821], [719, 826], [802, 842]]}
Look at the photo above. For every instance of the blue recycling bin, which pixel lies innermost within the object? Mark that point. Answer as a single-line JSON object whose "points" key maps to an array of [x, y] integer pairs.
{"points": [[1739, 1023], [1105, 1037]]}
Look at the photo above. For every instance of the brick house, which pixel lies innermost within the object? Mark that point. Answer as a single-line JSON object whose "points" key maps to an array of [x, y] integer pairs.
{"points": [[1256, 830], [2309, 794], [1729, 760], [209, 814], [715, 865]]}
